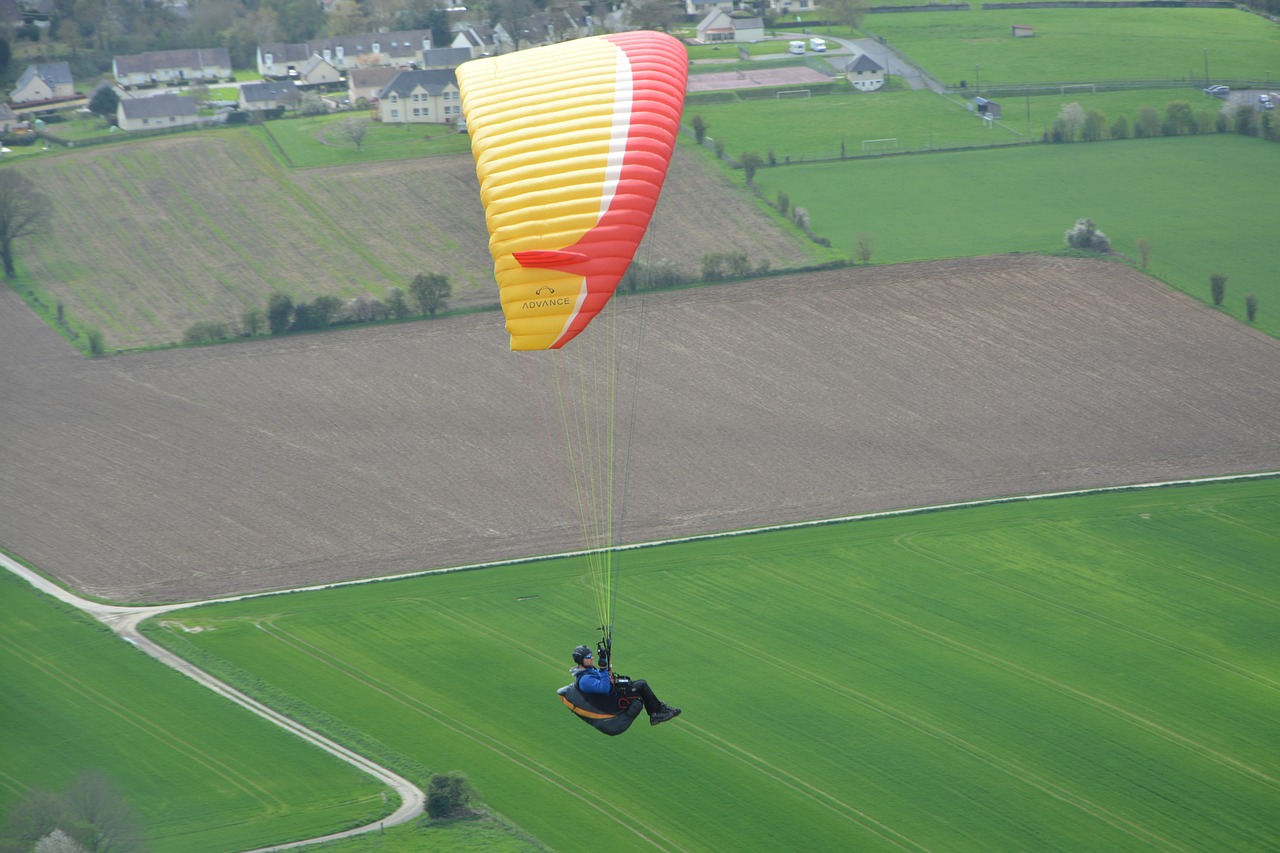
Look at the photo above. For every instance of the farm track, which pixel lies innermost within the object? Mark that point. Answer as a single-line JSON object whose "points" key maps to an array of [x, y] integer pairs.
{"points": [[280, 463]]}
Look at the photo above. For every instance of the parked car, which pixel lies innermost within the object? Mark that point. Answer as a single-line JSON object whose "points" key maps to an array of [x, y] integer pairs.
{"points": [[1218, 91], [1265, 102]]}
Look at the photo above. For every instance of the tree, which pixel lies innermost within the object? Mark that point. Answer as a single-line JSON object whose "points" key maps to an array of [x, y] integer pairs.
{"points": [[1251, 307], [751, 161], [353, 130], [1095, 126], [1147, 124], [1179, 118], [699, 128], [431, 291], [866, 245], [397, 305], [1120, 130], [1072, 117], [1144, 250], [106, 822], [847, 12], [1085, 235], [24, 210], [323, 311], [653, 14], [104, 102], [253, 321], [514, 16], [1217, 287], [279, 313], [449, 795]]}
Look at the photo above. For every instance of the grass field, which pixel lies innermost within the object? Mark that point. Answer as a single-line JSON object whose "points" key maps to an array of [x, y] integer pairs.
{"points": [[309, 141], [801, 129], [1084, 45], [1197, 199], [204, 775], [1095, 673]]}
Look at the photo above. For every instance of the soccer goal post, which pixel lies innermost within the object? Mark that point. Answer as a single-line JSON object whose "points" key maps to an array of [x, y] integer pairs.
{"points": [[1092, 88], [792, 93], [870, 146]]}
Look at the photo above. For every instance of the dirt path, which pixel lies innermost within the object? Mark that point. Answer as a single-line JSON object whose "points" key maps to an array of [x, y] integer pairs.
{"points": [[124, 622]]}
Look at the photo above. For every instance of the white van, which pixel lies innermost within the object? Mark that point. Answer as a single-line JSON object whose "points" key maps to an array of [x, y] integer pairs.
{"points": [[817, 45], [797, 47]]}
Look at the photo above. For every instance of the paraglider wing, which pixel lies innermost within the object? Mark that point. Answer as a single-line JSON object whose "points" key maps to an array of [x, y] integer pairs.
{"points": [[571, 143]]}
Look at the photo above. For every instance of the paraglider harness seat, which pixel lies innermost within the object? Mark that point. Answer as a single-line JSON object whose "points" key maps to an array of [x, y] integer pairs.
{"points": [[612, 714]]}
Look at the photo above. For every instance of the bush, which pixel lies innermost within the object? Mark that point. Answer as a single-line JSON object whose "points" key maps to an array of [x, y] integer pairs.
{"points": [[1086, 236], [1217, 287], [449, 795], [206, 332]]}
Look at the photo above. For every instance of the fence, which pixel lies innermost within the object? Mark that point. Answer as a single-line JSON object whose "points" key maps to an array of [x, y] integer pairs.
{"points": [[1067, 87]]}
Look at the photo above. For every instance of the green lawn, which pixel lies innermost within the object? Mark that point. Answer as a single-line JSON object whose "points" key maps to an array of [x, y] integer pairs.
{"points": [[1199, 200], [1080, 674], [204, 774], [1085, 44]]}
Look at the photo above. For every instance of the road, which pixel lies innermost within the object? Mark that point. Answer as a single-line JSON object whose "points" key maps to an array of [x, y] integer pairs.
{"points": [[124, 622]]}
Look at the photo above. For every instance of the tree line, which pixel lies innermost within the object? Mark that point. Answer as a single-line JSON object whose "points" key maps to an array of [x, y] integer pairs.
{"points": [[427, 295], [1074, 123]]}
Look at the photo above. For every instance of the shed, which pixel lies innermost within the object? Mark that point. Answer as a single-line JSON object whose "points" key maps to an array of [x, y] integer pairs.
{"points": [[1022, 31], [986, 108]]}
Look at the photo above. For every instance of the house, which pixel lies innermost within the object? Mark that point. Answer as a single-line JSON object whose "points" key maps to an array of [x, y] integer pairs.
{"points": [[1022, 31], [782, 7], [865, 73], [8, 118], [317, 72], [345, 52], [368, 83], [445, 57], [269, 95], [157, 111], [701, 8], [421, 97], [192, 65], [44, 81], [478, 40], [720, 27]]}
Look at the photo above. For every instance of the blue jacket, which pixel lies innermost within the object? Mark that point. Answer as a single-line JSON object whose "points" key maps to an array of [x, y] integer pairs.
{"points": [[592, 680]]}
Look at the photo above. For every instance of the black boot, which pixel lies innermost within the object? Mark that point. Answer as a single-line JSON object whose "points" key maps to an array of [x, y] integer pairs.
{"points": [[666, 712]]}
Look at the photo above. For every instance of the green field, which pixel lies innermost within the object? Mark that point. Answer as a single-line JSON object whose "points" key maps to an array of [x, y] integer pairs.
{"points": [[1090, 673], [1199, 201], [804, 129], [1085, 45], [310, 141], [204, 774]]}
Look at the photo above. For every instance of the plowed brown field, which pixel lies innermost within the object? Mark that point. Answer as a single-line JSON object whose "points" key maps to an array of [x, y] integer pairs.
{"points": [[281, 462]]}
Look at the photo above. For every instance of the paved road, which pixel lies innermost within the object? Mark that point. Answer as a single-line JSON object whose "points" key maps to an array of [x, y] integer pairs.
{"points": [[890, 60], [124, 622]]}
